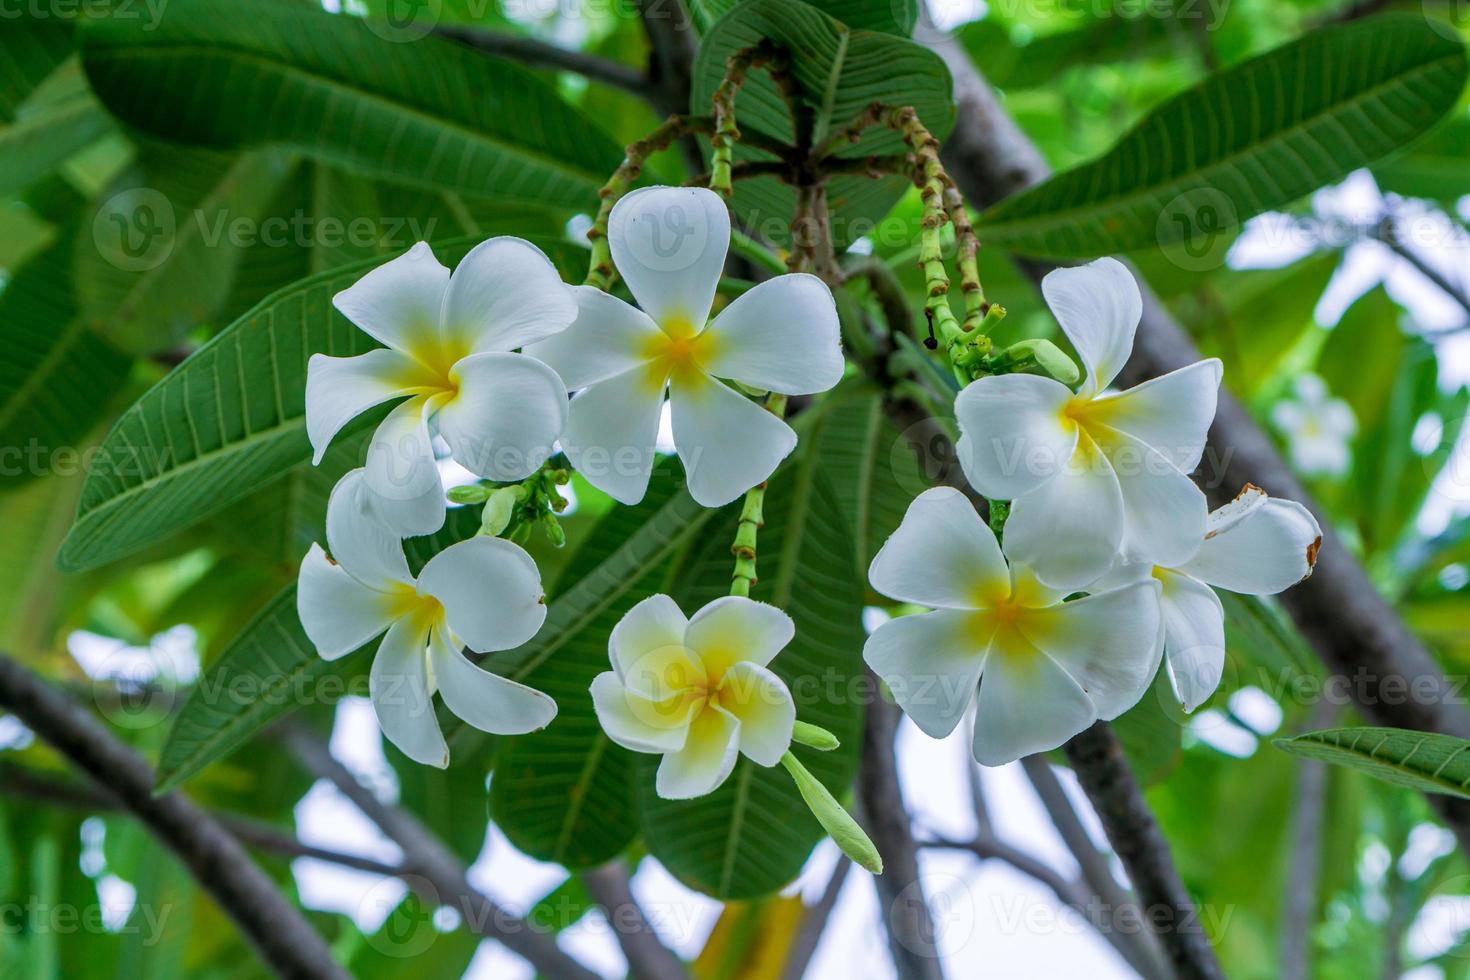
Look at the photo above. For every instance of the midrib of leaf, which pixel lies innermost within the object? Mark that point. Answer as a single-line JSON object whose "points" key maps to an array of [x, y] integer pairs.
{"points": [[829, 93], [579, 794], [1078, 213], [337, 89], [867, 464]]}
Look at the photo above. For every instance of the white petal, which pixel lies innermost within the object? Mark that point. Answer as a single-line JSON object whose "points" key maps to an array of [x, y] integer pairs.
{"points": [[762, 703], [489, 702], [931, 662], [338, 613], [648, 651], [1194, 638], [503, 295], [509, 410], [611, 434], [491, 592], [1027, 704], [727, 442], [942, 555], [669, 245], [1068, 530], [1337, 419], [1163, 510], [635, 722], [782, 335], [734, 628], [608, 338], [1172, 413], [339, 389], [706, 759], [1098, 306], [398, 303], [1257, 545], [1013, 436], [399, 686], [1108, 642], [360, 542], [401, 473]]}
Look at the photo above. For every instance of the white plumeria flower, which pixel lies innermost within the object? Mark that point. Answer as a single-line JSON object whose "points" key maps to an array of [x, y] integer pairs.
{"points": [[448, 349], [697, 690], [1094, 473], [1254, 545], [1317, 427], [484, 592], [669, 245], [1038, 669]]}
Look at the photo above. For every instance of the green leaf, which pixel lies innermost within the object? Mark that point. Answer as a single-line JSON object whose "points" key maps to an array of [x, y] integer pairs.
{"points": [[226, 422], [754, 833], [839, 72], [1433, 168], [888, 16], [269, 670], [1248, 139], [430, 112], [30, 49], [566, 794], [60, 119], [51, 359], [1421, 761]]}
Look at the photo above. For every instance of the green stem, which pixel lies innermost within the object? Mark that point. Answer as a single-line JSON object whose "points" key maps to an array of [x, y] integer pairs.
{"points": [[752, 518], [727, 133]]}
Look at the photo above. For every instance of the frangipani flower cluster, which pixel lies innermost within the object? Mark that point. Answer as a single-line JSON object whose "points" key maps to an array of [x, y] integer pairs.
{"points": [[480, 361], [1100, 503], [1318, 427]]}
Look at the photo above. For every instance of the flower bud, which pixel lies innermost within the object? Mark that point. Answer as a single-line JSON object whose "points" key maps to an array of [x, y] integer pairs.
{"points": [[836, 821]]}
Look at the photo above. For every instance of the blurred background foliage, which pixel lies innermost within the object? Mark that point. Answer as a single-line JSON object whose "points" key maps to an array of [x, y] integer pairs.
{"points": [[1314, 291]]}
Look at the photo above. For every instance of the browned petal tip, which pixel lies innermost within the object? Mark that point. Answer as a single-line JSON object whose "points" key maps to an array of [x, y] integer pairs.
{"points": [[1312, 550]]}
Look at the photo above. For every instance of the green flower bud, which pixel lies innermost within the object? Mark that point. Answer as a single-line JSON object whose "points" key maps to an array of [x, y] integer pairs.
{"points": [[470, 493], [499, 509], [1047, 356], [554, 531], [814, 736], [836, 821]]}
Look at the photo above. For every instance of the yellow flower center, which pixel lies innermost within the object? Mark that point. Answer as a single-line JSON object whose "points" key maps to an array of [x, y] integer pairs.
{"points": [[433, 371], [679, 352]]}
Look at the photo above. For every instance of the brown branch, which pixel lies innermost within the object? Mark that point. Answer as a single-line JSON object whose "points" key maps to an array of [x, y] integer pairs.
{"points": [[1356, 633], [539, 54], [912, 941], [432, 870], [274, 927], [1102, 769], [648, 958]]}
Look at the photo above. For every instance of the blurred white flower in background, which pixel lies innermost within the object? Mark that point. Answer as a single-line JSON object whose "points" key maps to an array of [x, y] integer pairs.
{"points": [[1318, 428]]}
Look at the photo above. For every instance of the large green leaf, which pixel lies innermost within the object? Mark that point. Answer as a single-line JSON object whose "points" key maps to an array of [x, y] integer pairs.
{"points": [[59, 119], [1255, 137], [165, 245], [226, 422], [1418, 760], [566, 794], [753, 834], [889, 16], [431, 112], [1434, 167], [30, 49], [839, 71], [57, 376], [270, 669]]}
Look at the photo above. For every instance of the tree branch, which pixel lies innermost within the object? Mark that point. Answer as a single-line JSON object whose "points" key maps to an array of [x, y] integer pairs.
{"points": [[277, 930], [905, 912], [428, 860], [1357, 634], [648, 958], [539, 54], [1309, 809], [1097, 758], [814, 923]]}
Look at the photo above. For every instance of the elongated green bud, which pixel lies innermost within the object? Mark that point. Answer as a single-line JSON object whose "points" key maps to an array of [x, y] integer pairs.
{"points": [[470, 493], [814, 736], [498, 511], [836, 821], [1047, 356]]}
